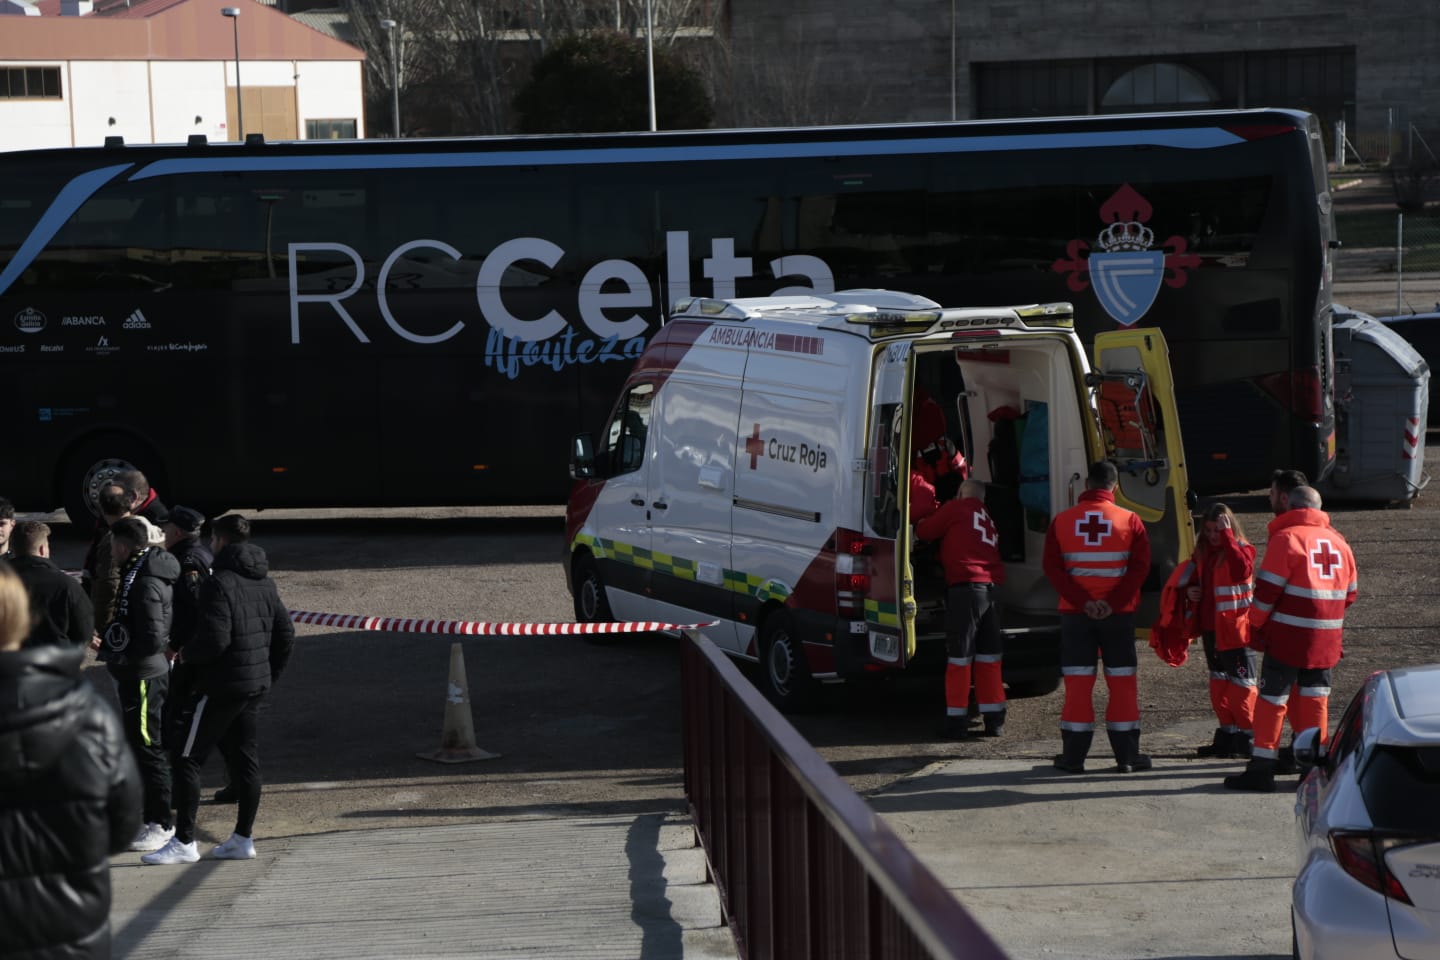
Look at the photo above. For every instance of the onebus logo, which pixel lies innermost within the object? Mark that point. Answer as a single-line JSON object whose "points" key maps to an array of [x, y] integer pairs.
{"points": [[29, 320], [553, 340]]}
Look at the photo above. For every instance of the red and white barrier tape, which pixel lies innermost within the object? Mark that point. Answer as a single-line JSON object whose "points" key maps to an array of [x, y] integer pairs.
{"points": [[472, 628]]}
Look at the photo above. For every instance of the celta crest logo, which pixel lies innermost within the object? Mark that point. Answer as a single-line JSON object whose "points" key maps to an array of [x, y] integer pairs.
{"points": [[1126, 269]]}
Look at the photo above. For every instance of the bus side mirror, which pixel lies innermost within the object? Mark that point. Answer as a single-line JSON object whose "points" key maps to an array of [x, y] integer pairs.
{"points": [[582, 457]]}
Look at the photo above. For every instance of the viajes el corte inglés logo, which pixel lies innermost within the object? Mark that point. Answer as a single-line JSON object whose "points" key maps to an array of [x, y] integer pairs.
{"points": [[29, 320], [136, 321]]}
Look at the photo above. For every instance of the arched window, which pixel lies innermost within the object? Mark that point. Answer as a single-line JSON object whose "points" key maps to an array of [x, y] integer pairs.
{"points": [[1160, 85]]}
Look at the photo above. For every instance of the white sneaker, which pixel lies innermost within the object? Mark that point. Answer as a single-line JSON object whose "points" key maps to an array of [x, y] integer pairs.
{"points": [[173, 852], [152, 836], [236, 848]]}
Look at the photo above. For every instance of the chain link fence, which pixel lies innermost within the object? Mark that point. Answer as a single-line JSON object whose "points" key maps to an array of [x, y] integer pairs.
{"points": [[1390, 261]]}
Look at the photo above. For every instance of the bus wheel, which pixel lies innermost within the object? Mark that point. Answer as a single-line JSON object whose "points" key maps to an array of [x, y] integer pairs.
{"points": [[93, 464], [590, 603], [784, 673]]}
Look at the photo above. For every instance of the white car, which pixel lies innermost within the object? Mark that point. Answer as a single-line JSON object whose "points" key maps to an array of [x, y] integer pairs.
{"points": [[1368, 817]]}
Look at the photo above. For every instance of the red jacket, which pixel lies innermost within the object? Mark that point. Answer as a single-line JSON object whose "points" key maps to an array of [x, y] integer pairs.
{"points": [[1303, 588], [1097, 551], [923, 477], [968, 550], [1224, 580], [1177, 625], [1225, 583]]}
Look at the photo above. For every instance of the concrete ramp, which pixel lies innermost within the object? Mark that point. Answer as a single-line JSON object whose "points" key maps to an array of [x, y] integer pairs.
{"points": [[620, 887]]}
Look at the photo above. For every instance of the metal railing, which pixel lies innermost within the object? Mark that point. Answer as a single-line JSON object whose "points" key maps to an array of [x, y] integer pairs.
{"points": [[804, 867]]}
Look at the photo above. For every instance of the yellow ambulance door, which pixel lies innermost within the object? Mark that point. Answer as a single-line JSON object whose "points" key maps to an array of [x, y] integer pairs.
{"points": [[890, 606], [1134, 398]]}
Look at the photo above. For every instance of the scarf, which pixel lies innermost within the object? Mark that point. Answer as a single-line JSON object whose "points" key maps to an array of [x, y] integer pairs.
{"points": [[117, 633]]}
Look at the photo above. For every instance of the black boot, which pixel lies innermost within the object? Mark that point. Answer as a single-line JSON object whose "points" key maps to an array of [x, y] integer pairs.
{"points": [[1259, 776], [955, 728], [1125, 744], [227, 794], [1285, 762], [1242, 744], [994, 723], [1074, 746], [1218, 747]]}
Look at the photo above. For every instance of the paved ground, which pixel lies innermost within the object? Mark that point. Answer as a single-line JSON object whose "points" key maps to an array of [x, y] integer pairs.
{"points": [[1103, 866], [1092, 867], [603, 887]]}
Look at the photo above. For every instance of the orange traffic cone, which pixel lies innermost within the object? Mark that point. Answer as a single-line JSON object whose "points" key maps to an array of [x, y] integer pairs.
{"points": [[457, 740]]}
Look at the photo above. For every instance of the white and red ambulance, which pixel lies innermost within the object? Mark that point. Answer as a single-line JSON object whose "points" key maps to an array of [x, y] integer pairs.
{"points": [[755, 471]]}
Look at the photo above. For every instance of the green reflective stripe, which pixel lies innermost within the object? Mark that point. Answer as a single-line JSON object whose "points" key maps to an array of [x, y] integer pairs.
{"points": [[145, 714], [682, 568], [881, 614]]}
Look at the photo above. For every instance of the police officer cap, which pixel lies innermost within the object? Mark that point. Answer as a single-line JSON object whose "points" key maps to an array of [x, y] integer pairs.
{"points": [[186, 519]]}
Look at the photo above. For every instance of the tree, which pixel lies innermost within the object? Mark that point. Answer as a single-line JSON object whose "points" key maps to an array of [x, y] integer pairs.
{"points": [[596, 82]]}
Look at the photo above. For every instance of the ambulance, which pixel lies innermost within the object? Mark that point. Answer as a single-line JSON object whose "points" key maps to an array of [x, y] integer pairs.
{"points": [[755, 472]]}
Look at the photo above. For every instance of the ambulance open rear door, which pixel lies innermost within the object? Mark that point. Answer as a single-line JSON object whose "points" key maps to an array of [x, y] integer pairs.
{"points": [[890, 604], [1134, 399]]}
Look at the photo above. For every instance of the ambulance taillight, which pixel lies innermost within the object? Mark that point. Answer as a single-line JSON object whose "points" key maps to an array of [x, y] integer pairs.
{"points": [[852, 573]]}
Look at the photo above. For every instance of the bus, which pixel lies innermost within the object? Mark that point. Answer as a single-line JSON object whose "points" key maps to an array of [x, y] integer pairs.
{"points": [[428, 322]]}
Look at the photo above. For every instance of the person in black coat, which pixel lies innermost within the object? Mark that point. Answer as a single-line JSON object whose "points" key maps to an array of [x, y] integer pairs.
{"points": [[133, 646], [59, 607], [69, 795], [239, 649]]}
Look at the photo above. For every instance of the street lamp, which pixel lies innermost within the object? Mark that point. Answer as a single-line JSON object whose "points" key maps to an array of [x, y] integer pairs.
{"points": [[650, 61], [234, 14], [390, 27]]}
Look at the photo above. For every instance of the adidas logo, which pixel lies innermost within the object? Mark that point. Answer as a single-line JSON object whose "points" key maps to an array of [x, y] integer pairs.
{"points": [[136, 321]]}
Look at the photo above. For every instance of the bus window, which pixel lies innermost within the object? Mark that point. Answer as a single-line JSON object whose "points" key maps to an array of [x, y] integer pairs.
{"points": [[118, 240]]}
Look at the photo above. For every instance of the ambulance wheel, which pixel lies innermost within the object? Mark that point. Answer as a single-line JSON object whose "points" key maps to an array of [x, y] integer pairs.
{"points": [[784, 673], [590, 603]]}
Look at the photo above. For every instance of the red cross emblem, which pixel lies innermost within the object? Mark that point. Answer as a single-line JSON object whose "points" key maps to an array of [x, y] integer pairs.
{"points": [[755, 446], [1093, 529], [1326, 559], [986, 527]]}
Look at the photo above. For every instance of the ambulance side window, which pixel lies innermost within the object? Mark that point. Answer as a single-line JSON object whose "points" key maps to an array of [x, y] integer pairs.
{"points": [[624, 449], [883, 477]]}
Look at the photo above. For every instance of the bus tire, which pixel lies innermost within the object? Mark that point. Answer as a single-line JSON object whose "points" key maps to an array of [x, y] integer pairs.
{"points": [[784, 672], [93, 463], [591, 606]]}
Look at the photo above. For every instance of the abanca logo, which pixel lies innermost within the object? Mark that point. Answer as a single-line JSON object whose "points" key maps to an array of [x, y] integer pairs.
{"points": [[29, 320]]}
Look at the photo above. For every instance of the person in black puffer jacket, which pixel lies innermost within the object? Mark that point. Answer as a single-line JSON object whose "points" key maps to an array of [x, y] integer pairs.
{"points": [[133, 646], [61, 610], [69, 796], [240, 647]]}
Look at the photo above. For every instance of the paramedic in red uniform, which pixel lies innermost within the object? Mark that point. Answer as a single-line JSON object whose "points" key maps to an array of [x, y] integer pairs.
{"points": [[1301, 593], [1222, 593], [973, 575], [938, 468], [1096, 556]]}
